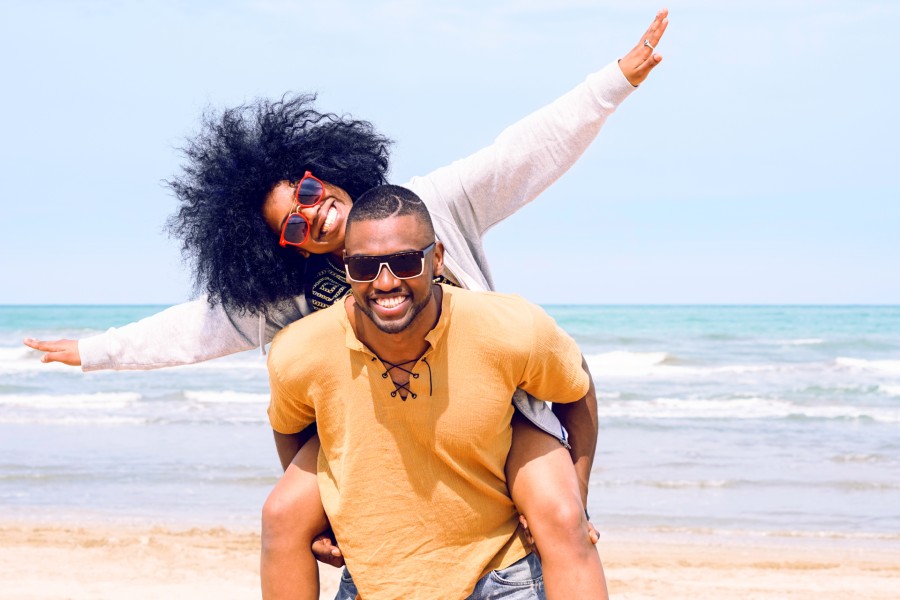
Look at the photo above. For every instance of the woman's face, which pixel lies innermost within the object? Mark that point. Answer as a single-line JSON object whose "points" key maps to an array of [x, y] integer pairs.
{"points": [[328, 218]]}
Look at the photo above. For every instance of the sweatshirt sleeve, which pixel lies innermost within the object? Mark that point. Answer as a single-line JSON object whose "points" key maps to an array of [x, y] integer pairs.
{"points": [[183, 334], [483, 189]]}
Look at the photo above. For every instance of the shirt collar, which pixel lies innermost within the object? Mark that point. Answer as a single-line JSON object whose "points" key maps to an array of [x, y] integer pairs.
{"points": [[432, 337]]}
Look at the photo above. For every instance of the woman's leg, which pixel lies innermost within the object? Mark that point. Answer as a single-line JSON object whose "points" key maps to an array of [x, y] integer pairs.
{"points": [[544, 488], [292, 516]]}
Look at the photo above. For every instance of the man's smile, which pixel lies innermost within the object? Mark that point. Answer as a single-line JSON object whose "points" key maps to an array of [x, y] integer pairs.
{"points": [[390, 304]]}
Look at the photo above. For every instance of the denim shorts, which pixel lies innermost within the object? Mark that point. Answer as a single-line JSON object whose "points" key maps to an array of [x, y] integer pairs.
{"points": [[522, 580]]}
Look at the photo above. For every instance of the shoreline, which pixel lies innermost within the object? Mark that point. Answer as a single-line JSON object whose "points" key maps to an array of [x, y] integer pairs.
{"points": [[44, 560]]}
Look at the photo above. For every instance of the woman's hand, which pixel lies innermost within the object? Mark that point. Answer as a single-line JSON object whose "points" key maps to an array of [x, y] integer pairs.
{"points": [[63, 351], [638, 63]]}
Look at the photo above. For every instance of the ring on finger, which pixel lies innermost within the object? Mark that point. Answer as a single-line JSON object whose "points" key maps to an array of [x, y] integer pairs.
{"points": [[649, 45]]}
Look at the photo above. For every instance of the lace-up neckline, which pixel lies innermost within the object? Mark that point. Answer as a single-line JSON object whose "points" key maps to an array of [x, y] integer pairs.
{"points": [[403, 389]]}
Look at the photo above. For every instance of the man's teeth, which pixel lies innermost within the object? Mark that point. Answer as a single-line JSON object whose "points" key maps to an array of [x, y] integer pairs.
{"points": [[329, 219], [392, 302]]}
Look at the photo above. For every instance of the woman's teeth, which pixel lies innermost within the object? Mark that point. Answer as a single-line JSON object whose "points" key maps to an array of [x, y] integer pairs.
{"points": [[330, 218], [392, 302]]}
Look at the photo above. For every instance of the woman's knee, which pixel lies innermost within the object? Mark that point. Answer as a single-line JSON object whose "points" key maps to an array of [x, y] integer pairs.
{"points": [[560, 513], [295, 507], [543, 483]]}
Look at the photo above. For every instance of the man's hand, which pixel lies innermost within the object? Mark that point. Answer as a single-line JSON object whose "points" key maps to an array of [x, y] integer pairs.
{"points": [[638, 63], [63, 351], [325, 549]]}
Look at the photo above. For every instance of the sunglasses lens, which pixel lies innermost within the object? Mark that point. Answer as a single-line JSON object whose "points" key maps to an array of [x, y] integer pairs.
{"points": [[406, 265], [295, 229], [363, 268], [309, 192]]}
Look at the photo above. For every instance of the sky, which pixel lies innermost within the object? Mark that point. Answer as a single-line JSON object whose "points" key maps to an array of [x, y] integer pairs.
{"points": [[758, 164]]}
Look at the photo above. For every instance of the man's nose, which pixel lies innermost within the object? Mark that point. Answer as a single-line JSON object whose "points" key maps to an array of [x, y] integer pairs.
{"points": [[386, 281]]}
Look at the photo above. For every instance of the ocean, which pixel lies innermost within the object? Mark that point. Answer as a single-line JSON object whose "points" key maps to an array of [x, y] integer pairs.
{"points": [[743, 421]]}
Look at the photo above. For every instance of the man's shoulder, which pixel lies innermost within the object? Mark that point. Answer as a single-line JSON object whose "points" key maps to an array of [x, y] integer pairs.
{"points": [[499, 310], [488, 299], [320, 329]]}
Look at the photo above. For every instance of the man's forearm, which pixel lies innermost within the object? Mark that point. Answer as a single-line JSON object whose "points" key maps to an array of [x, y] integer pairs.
{"points": [[288, 444], [580, 420]]}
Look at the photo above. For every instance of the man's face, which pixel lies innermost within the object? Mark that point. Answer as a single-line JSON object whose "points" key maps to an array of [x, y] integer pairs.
{"points": [[328, 218], [393, 304]]}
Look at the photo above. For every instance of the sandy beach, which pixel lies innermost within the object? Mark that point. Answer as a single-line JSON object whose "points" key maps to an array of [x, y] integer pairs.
{"points": [[99, 561]]}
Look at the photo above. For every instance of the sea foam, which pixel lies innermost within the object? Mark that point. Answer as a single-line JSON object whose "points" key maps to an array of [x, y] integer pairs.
{"points": [[741, 409], [225, 397], [888, 367], [99, 400]]}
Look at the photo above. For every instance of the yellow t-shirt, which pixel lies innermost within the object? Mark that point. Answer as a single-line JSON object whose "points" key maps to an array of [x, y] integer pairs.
{"points": [[415, 489]]}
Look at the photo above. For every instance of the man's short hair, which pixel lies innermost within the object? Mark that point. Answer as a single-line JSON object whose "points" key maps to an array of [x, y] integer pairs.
{"points": [[385, 201]]}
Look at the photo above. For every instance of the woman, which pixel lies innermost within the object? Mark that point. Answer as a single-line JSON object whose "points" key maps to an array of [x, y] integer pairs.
{"points": [[237, 194]]}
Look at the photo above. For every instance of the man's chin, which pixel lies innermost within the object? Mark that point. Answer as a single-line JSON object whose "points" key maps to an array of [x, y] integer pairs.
{"points": [[397, 324], [391, 327]]}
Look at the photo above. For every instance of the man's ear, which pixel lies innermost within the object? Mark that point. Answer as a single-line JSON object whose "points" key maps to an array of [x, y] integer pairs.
{"points": [[437, 260]]}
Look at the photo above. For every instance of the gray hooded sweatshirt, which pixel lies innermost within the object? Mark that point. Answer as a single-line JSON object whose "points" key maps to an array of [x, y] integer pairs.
{"points": [[465, 199]]}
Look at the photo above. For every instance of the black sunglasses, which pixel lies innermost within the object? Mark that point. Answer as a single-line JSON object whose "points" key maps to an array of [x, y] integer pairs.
{"points": [[402, 265]]}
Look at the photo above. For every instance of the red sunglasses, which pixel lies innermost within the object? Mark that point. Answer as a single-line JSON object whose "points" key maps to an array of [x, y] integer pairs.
{"points": [[295, 231]]}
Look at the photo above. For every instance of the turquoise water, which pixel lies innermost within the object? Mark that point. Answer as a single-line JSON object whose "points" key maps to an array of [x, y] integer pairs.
{"points": [[775, 421]]}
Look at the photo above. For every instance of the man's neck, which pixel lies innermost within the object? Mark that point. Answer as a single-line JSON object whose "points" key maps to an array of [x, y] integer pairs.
{"points": [[408, 344]]}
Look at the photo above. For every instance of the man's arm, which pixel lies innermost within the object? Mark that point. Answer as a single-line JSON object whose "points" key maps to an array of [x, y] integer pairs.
{"points": [[289, 444], [290, 410], [580, 420]]}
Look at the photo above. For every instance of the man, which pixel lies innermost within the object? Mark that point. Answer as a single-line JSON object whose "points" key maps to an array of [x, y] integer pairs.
{"points": [[236, 190], [410, 384]]}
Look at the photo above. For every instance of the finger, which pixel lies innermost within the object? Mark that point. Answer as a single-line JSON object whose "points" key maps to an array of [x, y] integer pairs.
{"points": [[321, 547], [66, 357], [649, 64], [647, 46], [320, 552], [337, 562], [657, 27], [647, 55], [41, 345], [593, 534], [329, 547], [654, 36], [65, 350], [524, 522]]}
